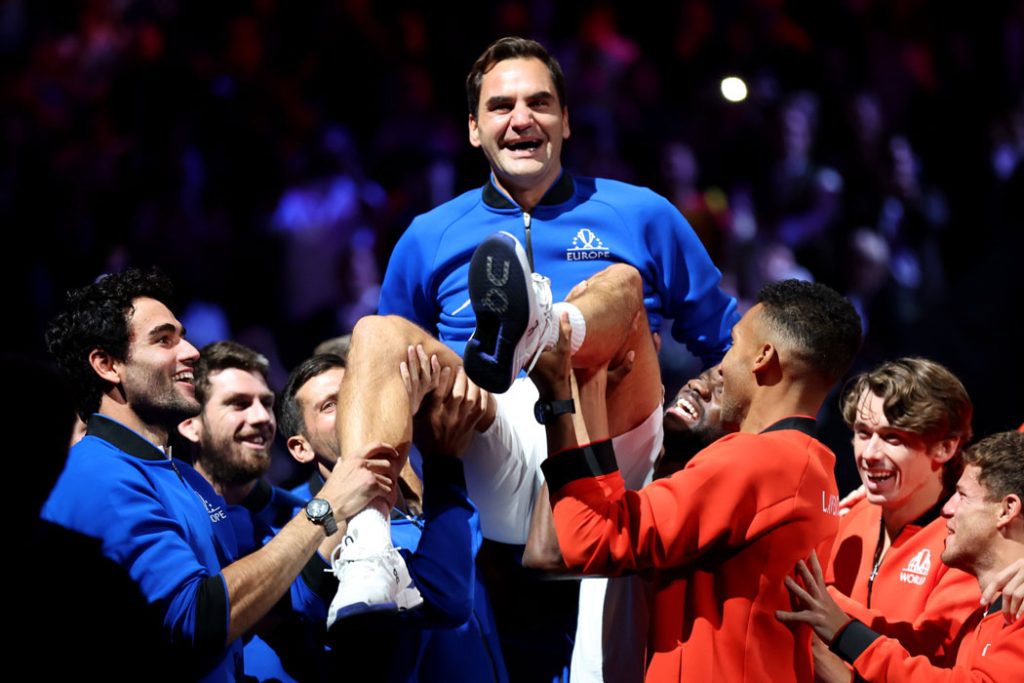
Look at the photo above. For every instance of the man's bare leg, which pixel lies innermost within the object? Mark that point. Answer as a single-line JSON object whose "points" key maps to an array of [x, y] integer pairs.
{"points": [[373, 404], [616, 323], [375, 410]]}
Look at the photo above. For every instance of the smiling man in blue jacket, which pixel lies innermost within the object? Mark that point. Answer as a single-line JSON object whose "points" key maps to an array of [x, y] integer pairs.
{"points": [[132, 368]]}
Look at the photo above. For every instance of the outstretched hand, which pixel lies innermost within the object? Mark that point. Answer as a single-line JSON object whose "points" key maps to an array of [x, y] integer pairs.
{"points": [[1010, 582], [553, 371], [420, 375], [356, 481], [820, 611], [449, 419]]}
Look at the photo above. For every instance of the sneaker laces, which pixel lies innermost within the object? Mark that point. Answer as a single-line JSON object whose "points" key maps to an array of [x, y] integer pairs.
{"points": [[335, 561], [544, 284]]}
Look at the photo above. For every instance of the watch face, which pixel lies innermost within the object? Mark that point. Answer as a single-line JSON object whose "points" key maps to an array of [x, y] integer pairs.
{"points": [[318, 507], [540, 411]]}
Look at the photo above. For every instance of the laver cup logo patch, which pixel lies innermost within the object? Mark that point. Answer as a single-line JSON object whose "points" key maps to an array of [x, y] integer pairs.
{"points": [[917, 569], [216, 513], [586, 246], [830, 505], [495, 299]]}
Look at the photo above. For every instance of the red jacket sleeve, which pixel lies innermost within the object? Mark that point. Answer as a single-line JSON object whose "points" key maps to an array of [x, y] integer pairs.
{"points": [[935, 632], [733, 491], [993, 653]]}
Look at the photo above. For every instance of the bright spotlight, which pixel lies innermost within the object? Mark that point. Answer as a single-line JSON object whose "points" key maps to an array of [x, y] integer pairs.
{"points": [[734, 89]]}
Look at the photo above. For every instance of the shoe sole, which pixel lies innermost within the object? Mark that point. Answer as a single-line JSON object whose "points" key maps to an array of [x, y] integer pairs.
{"points": [[500, 295], [360, 608]]}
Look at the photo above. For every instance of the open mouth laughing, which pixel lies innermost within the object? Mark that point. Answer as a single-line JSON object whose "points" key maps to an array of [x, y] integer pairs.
{"points": [[523, 145], [687, 407], [184, 376]]}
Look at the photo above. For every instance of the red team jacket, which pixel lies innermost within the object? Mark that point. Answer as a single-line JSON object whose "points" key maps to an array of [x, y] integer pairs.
{"points": [[722, 533], [914, 596], [991, 651]]}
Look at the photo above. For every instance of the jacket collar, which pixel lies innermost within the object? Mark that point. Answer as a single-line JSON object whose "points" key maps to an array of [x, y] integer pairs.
{"points": [[932, 514], [807, 425], [559, 193], [123, 438], [259, 496]]}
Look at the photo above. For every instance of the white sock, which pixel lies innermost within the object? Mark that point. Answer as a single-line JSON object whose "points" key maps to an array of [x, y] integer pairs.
{"points": [[371, 528], [576, 320]]}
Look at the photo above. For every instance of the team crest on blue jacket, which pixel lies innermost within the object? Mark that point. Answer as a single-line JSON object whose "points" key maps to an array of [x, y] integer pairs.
{"points": [[216, 512], [586, 246]]}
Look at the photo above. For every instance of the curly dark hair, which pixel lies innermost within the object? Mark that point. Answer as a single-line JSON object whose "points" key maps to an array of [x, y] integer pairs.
{"points": [[97, 316], [511, 47], [289, 417], [821, 325]]}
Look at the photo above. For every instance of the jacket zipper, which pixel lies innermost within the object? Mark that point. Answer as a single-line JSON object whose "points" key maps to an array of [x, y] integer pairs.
{"points": [[878, 559], [529, 241]]}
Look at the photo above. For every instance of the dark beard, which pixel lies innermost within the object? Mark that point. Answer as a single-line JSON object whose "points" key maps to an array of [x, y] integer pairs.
{"points": [[227, 473], [166, 415]]}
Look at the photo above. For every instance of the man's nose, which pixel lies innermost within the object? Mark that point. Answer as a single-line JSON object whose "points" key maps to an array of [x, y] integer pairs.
{"points": [[522, 116], [700, 388], [258, 413], [188, 353], [873, 448]]}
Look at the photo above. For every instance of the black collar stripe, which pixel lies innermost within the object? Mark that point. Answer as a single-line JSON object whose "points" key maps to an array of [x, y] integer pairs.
{"points": [[559, 193], [807, 425], [932, 514], [123, 438], [259, 496]]}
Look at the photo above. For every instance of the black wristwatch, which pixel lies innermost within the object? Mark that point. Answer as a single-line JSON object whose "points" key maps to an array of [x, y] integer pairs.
{"points": [[545, 411], [319, 512]]}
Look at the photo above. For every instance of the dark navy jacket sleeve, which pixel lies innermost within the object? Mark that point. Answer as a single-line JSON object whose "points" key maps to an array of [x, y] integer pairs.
{"points": [[159, 528], [444, 564]]}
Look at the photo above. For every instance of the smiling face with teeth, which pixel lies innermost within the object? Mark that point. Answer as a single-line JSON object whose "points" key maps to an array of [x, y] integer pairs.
{"points": [[236, 427], [692, 421], [697, 407], [156, 380], [899, 469], [520, 125]]}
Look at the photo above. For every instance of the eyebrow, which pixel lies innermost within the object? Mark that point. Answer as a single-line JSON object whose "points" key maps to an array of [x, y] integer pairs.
{"points": [[236, 395], [324, 399], [166, 327], [502, 99]]}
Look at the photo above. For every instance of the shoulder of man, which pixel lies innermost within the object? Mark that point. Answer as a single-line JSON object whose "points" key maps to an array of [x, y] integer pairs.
{"points": [[443, 215]]}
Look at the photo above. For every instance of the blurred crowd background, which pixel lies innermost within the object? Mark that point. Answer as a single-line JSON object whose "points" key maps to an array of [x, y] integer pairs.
{"points": [[267, 155]]}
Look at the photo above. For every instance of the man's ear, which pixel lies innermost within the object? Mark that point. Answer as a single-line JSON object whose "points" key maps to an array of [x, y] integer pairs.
{"points": [[565, 123], [474, 132], [190, 428], [1009, 510], [300, 449], [765, 357], [104, 365], [942, 451]]}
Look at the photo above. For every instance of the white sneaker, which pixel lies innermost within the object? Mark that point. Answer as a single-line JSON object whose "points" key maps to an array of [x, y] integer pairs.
{"points": [[514, 319], [377, 582]]}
